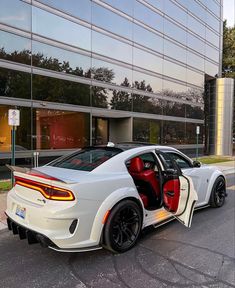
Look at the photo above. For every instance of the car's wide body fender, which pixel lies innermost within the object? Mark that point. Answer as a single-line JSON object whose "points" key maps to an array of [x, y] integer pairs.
{"points": [[203, 180], [217, 173], [107, 205]]}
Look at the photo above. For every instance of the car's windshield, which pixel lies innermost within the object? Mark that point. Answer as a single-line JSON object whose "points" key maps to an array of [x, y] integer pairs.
{"points": [[86, 159]]}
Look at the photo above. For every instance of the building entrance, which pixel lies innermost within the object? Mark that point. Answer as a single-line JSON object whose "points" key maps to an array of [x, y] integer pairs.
{"points": [[111, 129]]}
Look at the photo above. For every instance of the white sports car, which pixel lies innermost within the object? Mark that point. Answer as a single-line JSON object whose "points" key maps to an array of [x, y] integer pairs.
{"points": [[104, 196]]}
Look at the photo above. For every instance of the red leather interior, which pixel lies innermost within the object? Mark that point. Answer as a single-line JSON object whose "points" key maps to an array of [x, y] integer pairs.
{"points": [[136, 165], [148, 176], [171, 194]]}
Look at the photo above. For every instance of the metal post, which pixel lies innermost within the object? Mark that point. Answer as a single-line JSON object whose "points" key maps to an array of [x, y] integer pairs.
{"points": [[197, 148], [12, 152]]}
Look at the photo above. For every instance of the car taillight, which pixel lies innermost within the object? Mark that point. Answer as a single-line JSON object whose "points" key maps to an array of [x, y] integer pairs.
{"points": [[48, 191]]}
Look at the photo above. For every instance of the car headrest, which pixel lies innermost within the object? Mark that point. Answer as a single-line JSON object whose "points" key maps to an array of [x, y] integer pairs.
{"points": [[136, 165]]}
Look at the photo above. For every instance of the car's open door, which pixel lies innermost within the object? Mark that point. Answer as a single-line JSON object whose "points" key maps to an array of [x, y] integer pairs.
{"points": [[178, 194]]}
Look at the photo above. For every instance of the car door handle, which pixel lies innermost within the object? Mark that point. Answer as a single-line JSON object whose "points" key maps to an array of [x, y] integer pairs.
{"points": [[170, 193]]}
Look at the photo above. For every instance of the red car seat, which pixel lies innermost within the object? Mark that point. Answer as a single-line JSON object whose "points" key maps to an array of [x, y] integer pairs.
{"points": [[145, 179]]}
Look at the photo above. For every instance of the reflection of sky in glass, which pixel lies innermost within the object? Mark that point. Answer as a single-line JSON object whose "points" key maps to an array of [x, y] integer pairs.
{"points": [[174, 31], [168, 85], [174, 51], [175, 71], [111, 47], [156, 3], [147, 61], [195, 61], [148, 16], [111, 21], [211, 69], [123, 5], [175, 12], [79, 8], [60, 29], [119, 72], [212, 37], [147, 38], [11, 42], [74, 59], [195, 78], [16, 13]]}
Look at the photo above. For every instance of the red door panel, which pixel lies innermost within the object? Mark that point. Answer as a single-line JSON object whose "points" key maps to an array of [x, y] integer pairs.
{"points": [[171, 195]]}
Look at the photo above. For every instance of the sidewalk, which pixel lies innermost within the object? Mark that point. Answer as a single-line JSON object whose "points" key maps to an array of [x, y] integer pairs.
{"points": [[227, 168]]}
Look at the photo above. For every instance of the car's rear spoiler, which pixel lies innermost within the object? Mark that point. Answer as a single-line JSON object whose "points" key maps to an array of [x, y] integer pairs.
{"points": [[17, 168], [33, 172]]}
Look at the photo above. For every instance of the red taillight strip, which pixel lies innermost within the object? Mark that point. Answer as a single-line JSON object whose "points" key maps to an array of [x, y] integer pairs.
{"points": [[42, 188]]}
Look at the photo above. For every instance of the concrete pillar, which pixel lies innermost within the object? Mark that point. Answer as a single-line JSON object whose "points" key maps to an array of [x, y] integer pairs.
{"points": [[223, 116]]}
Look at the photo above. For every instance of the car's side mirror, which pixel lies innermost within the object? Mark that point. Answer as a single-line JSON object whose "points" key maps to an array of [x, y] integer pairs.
{"points": [[196, 164]]}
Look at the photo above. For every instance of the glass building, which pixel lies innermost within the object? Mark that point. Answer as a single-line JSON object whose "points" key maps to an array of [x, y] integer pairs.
{"points": [[86, 72]]}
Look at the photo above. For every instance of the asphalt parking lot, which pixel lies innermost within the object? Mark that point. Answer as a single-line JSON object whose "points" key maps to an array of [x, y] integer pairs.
{"points": [[170, 256]]}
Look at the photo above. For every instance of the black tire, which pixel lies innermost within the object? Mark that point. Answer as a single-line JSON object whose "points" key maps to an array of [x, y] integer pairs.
{"points": [[218, 193], [123, 226]]}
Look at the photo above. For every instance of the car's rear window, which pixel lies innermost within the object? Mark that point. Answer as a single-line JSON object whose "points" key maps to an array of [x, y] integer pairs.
{"points": [[86, 159]]}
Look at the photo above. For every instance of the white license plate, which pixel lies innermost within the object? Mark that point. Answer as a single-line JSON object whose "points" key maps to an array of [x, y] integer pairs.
{"points": [[20, 211]]}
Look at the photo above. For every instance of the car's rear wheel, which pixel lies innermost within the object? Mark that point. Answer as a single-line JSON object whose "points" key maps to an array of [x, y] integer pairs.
{"points": [[123, 226], [218, 193]]}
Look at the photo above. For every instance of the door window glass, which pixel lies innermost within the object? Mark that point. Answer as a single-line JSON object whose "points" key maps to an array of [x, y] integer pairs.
{"points": [[180, 160]]}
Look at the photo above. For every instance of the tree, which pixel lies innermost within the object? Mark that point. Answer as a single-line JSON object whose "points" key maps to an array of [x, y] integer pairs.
{"points": [[228, 64]]}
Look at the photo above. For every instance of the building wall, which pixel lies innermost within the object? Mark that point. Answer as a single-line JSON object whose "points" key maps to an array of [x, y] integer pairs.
{"points": [[142, 59]]}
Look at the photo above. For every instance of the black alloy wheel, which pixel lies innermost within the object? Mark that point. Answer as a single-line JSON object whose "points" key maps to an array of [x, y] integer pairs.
{"points": [[123, 226], [218, 193]]}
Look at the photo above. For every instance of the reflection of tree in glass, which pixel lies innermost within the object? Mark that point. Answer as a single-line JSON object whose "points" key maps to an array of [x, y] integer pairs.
{"points": [[121, 100], [100, 94]]}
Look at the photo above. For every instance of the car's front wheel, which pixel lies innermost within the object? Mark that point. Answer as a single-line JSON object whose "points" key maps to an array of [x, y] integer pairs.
{"points": [[123, 226], [218, 193]]}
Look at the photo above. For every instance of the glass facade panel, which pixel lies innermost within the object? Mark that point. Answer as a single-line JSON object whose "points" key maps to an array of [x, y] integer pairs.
{"points": [[212, 37], [120, 100], [148, 39], [147, 60], [16, 13], [146, 104], [212, 53], [194, 112], [174, 70], [148, 16], [111, 47], [15, 84], [191, 133], [174, 32], [175, 12], [52, 58], [55, 129], [196, 9], [174, 132], [195, 61], [171, 88], [195, 78], [62, 91], [212, 6], [174, 51], [195, 43], [15, 48], [122, 5], [60, 29], [176, 109], [110, 21], [81, 8], [211, 69], [111, 99], [212, 21], [23, 132], [156, 4], [111, 73], [145, 130], [154, 84], [196, 26]]}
